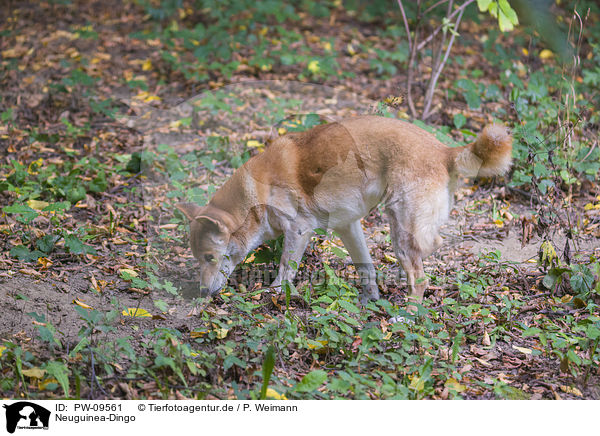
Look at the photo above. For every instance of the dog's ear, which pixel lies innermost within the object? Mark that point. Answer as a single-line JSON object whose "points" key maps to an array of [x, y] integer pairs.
{"points": [[190, 210], [271, 136], [212, 223]]}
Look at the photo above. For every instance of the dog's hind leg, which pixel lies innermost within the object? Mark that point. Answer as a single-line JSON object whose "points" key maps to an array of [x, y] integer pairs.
{"points": [[409, 251], [354, 241]]}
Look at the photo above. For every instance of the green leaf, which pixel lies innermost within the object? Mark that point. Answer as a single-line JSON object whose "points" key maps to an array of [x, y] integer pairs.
{"points": [[135, 163], [168, 286], [312, 381], [573, 357], [472, 99], [80, 346], [267, 370], [582, 279], [531, 331], [540, 169], [46, 243], [456, 344], [288, 287], [348, 306], [231, 360], [28, 213], [504, 23], [22, 253], [466, 85], [59, 371], [593, 332], [459, 120], [339, 252], [55, 207], [161, 305], [508, 11], [75, 246], [75, 194], [483, 5], [99, 183], [553, 276]]}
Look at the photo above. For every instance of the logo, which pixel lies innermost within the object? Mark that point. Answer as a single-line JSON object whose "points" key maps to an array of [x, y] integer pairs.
{"points": [[26, 415]]}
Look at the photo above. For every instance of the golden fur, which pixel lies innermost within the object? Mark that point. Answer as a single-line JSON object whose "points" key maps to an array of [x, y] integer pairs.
{"points": [[330, 177]]}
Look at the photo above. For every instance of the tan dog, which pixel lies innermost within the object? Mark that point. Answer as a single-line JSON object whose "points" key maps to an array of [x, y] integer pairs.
{"points": [[330, 177]]}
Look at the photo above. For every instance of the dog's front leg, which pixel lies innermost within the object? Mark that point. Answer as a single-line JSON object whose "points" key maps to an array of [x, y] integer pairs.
{"points": [[354, 241], [294, 245]]}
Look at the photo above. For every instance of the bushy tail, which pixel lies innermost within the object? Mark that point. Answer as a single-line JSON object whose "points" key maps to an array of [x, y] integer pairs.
{"points": [[489, 155]]}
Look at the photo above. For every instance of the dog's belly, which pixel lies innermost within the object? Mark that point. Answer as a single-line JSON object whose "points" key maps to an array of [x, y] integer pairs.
{"points": [[344, 203]]}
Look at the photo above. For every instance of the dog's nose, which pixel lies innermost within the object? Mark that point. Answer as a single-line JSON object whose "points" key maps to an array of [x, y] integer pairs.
{"points": [[204, 292]]}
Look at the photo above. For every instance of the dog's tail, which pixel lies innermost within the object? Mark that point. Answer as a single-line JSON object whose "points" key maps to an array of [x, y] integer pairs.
{"points": [[489, 155]]}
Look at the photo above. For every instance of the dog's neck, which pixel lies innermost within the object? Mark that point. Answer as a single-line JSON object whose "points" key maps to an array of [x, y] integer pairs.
{"points": [[249, 224]]}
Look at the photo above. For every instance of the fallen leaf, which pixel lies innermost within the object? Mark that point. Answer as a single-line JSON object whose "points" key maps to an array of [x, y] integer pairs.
{"points": [[486, 339], [34, 372], [136, 312], [571, 390], [390, 259], [453, 384], [417, 383], [81, 304], [30, 272], [95, 284], [43, 384], [313, 66], [221, 333], [274, 395], [128, 271], [522, 349], [466, 368], [315, 346], [44, 262], [483, 362], [168, 226], [276, 303]]}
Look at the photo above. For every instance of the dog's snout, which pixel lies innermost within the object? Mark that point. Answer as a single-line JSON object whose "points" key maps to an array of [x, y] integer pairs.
{"points": [[204, 292]]}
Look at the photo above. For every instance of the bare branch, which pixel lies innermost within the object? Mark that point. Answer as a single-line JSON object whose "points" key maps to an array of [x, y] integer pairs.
{"points": [[430, 8], [458, 10], [405, 25], [411, 64], [440, 67]]}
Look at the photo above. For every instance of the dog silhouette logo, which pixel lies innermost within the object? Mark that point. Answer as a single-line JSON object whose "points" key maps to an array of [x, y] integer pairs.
{"points": [[26, 415]]}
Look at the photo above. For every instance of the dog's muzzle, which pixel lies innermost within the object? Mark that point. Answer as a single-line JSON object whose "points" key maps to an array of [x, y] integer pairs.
{"points": [[204, 292]]}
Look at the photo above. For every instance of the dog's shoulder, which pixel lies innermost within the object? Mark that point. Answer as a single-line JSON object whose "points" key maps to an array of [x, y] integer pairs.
{"points": [[319, 137], [319, 150]]}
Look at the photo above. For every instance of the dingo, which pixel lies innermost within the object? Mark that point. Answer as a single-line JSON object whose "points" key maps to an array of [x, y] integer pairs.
{"points": [[330, 177]]}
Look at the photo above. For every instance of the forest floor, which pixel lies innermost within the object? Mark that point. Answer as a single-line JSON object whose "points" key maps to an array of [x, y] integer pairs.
{"points": [[74, 276]]}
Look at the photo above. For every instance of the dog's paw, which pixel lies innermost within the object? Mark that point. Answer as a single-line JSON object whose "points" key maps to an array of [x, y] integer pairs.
{"points": [[370, 293], [400, 319]]}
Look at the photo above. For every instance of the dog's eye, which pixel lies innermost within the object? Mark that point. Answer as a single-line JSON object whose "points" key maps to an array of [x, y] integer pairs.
{"points": [[208, 257]]}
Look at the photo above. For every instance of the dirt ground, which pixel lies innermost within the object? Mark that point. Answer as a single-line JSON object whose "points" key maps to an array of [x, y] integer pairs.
{"points": [[53, 295]]}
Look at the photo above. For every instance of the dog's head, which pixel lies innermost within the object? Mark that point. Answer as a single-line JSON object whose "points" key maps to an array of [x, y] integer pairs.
{"points": [[210, 237]]}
